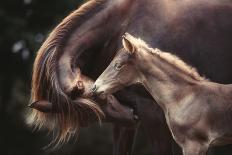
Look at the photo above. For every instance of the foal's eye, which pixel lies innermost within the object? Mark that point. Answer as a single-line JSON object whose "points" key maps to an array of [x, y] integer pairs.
{"points": [[118, 66]]}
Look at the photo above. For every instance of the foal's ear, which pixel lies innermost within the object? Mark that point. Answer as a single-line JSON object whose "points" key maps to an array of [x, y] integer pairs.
{"points": [[127, 43], [42, 106]]}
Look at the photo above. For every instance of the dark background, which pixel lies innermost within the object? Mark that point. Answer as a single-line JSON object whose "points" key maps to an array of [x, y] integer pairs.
{"points": [[24, 25]]}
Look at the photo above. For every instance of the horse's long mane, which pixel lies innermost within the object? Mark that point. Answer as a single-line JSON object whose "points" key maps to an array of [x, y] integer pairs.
{"points": [[46, 85]]}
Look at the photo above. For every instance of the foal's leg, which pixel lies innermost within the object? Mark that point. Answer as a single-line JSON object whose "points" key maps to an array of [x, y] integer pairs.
{"points": [[195, 148], [154, 125], [123, 139]]}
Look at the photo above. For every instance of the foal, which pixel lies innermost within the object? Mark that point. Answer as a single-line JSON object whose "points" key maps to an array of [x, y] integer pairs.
{"points": [[198, 112]]}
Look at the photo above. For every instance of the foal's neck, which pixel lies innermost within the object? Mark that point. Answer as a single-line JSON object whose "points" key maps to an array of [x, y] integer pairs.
{"points": [[164, 79]]}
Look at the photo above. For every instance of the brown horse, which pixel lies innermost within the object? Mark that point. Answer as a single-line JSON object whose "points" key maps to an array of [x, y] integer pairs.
{"points": [[198, 112], [108, 109], [88, 38]]}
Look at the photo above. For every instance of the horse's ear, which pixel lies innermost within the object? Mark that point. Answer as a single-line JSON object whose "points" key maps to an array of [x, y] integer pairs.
{"points": [[127, 43], [42, 106]]}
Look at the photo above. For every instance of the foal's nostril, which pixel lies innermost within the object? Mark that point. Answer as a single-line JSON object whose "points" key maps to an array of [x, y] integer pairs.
{"points": [[94, 88]]}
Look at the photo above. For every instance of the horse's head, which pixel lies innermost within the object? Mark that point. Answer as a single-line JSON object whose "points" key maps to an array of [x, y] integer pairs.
{"points": [[53, 108], [110, 106], [66, 111], [122, 71]]}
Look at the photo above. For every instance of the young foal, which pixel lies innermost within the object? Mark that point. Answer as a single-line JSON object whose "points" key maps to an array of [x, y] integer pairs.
{"points": [[198, 112]]}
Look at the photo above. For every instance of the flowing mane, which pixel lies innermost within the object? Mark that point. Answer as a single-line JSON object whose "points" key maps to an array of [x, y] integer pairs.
{"points": [[171, 59], [46, 85]]}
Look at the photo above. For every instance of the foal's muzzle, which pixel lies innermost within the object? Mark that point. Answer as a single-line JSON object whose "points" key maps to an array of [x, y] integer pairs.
{"points": [[94, 88]]}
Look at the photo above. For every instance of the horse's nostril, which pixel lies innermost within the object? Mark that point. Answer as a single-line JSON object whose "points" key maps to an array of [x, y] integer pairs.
{"points": [[94, 88]]}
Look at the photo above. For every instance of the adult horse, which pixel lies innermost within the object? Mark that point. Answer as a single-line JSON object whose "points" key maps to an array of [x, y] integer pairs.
{"points": [[197, 31]]}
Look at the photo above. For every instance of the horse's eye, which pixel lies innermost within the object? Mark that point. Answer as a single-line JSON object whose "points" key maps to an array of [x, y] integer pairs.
{"points": [[118, 66]]}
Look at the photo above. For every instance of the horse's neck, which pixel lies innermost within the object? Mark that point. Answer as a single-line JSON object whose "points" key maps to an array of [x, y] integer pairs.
{"points": [[112, 18], [83, 42], [162, 79]]}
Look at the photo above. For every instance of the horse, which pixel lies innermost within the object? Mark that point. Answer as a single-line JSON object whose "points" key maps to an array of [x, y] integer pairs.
{"points": [[88, 38], [198, 111], [110, 109]]}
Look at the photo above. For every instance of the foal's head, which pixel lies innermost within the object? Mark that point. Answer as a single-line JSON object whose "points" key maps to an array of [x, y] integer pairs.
{"points": [[122, 70]]}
